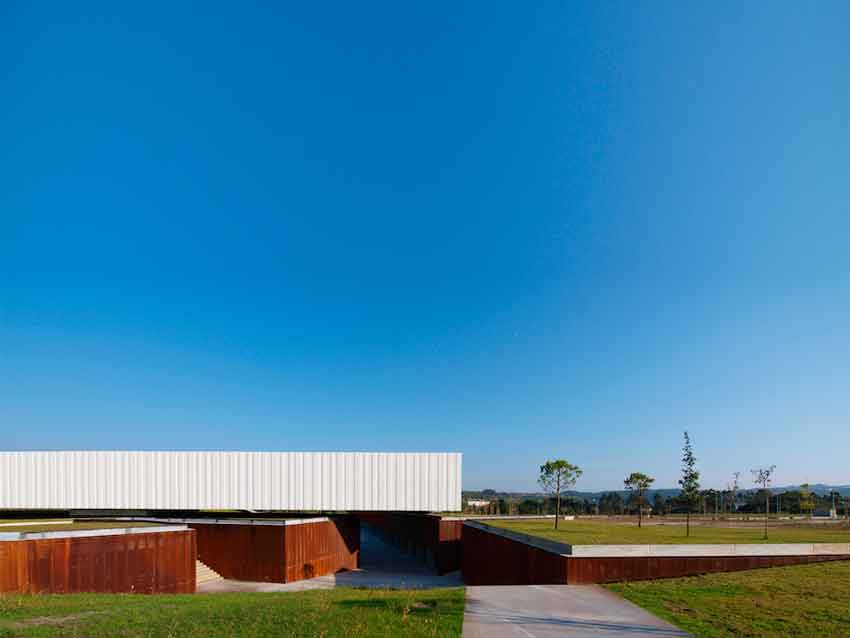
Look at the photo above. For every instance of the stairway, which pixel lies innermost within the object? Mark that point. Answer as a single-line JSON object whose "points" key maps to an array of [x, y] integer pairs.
{"points": [[203, 574]]}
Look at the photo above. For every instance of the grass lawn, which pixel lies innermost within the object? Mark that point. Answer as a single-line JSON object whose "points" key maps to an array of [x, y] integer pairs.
{"points": [[349, 613], [39, 526], [806, 600], [600, 532]]}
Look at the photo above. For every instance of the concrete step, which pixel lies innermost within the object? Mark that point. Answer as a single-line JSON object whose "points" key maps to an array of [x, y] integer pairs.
{"points": [[205, 574]]}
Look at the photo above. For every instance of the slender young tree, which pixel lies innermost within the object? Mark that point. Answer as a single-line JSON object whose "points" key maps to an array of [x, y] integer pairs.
{"points": [[762, 476], [638, 483], [689, 481], [807, 501], [734, 487], [556, 477]]}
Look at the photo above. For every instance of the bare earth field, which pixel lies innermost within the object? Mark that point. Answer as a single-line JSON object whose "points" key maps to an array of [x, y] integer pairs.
{"points": [[618, 531]]}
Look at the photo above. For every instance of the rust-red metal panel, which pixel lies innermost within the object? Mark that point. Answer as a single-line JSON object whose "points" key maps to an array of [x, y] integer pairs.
{"points": [[450, 546], [320, 548], [243, 552], [280, 553], [491, 559], [494, 559], [158, 562]]}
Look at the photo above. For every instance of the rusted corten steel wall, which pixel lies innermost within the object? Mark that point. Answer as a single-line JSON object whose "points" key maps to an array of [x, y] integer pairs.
{"points": [[243, 552], [443, 538], [494, 559], [152, 563], [450, 546], [490, 559], [583, 571], [280, 553], [317, 549]]}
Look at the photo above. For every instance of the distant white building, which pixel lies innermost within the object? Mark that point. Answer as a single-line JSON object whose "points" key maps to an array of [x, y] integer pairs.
{"points": [[478, 503]]}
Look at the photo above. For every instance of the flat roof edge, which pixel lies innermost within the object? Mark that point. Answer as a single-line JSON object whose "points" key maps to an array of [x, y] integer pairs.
{"points": [[82, 533]]}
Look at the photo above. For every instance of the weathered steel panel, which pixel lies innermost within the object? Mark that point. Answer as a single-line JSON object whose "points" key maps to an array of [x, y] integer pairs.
{"points": [[321, 548], [243, 552], [159, 562], [450, 546], [282, 481], [491, 559], [280, 553]]}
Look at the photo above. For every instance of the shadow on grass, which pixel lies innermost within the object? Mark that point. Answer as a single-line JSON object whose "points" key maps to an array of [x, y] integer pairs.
{"points": [[417, 607]]}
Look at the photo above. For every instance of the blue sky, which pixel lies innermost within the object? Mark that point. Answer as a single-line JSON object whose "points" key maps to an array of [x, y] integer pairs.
{"points": [[519, 232]]}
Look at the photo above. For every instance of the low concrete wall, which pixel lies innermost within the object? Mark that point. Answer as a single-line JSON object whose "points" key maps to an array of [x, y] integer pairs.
{"points": [[584, 571], [86, 533], [745, 549]]}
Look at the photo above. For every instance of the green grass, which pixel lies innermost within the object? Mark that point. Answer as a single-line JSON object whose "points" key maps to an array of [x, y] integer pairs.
{"points": [[802, 601], [39, 526], [348, 613], [600, 532]]}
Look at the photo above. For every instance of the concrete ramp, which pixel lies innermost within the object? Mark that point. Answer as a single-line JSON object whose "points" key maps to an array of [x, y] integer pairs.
{"points": [[549, 611]]}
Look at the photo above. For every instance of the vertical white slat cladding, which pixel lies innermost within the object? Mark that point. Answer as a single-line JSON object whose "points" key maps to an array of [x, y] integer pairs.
{"points": [[285, 481]]}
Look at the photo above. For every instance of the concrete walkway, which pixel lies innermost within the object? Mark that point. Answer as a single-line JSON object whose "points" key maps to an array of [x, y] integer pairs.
{"points": [[357, 578], [546, 611]]}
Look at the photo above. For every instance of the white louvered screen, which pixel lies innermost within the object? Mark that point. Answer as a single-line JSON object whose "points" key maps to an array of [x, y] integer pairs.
{"points": [[351, 481]]}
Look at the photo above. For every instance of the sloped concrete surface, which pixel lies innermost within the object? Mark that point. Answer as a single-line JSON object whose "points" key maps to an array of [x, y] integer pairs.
{"points": [[549, 611]]}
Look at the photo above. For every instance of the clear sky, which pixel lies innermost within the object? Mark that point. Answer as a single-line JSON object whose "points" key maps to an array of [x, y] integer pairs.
{"points": [[516, 230]]}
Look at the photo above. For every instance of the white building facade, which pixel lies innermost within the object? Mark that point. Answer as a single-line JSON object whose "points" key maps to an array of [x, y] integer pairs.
{"points": [[279, 481]]}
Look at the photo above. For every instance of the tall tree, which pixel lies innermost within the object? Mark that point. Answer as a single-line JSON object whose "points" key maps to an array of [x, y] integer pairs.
{"points": [[689, 481], [836, 499], [638, 483], [762, 476], [734, 486], [611, 503], [659, 503], [807, 502], [556, 477]]}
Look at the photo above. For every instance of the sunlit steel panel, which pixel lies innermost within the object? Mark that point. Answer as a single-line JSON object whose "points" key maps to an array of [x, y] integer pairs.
{"points": [[291, 481]]}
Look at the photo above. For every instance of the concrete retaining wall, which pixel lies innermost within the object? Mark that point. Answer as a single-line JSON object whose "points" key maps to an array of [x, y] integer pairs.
{"points": [[496, 556]]}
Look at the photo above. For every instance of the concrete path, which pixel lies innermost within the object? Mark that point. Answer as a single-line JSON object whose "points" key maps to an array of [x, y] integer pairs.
{"points": [[356, 578], [546, 611]]}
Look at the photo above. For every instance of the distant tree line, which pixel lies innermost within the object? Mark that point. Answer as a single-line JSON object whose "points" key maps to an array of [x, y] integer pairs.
{"points": [[711, 502], [557, 477]]}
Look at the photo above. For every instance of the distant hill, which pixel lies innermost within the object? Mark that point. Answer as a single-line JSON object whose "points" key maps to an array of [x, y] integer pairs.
{"points": [[817, 488]]}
